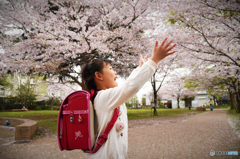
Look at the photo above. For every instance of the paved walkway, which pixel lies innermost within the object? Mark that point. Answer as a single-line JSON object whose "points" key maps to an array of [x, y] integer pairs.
{"points": [[193, 137]]}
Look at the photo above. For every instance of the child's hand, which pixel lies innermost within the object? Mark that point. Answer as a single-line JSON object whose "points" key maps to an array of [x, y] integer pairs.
{"points": [[162, 51], [143, 60]]}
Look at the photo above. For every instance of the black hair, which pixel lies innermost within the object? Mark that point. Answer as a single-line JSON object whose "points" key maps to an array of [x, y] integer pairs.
{"points": [[89, 70]]}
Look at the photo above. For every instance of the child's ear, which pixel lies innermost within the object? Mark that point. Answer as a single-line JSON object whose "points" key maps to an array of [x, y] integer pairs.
{"points": [[98, 75]]}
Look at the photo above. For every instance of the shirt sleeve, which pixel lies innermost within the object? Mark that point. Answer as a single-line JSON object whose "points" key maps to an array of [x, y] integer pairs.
{"points": [[114, 97]]}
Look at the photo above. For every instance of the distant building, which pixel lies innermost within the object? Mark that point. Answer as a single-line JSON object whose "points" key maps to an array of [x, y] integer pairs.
{"points": [[201, 99]]}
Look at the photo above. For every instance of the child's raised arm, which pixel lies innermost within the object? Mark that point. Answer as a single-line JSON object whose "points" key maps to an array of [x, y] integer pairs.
{"points": [[114, 97]]}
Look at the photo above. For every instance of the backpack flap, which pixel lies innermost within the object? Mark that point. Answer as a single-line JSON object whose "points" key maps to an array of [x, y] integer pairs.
{"points": [[76, 122]]}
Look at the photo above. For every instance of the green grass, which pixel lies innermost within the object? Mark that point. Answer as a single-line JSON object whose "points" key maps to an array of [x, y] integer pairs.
{"points": [[235, 118], [234, 115], [43, 114], [134, 114], [47, 119], [225, 106]]}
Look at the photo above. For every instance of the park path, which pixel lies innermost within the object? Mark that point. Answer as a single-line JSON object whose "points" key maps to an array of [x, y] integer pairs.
{"points": [[192, 137]]}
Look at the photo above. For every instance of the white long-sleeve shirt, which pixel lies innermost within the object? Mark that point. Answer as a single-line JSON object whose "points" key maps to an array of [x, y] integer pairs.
{"points": [[107, 100]]}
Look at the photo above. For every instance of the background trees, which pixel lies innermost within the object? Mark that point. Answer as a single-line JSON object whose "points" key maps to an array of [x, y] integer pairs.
{"points": [[144, 100], [59, 37], [4, 84], [208, 33], [176, 89], [19, 89], [133, 102], [26, 93]]}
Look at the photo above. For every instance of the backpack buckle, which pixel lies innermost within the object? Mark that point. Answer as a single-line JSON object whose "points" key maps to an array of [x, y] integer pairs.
{"points": [[71, 117], [103, 136]]}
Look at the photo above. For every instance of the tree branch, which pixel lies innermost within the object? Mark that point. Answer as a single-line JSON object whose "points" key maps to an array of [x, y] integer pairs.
{"points": [[74, 78]]}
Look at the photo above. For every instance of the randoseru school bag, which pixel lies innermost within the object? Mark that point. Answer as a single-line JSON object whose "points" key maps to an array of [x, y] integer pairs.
{"points": [[76, 125]]}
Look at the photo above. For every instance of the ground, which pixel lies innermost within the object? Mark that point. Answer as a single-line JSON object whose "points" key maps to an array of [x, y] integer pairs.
{"points": [[169, 137]]}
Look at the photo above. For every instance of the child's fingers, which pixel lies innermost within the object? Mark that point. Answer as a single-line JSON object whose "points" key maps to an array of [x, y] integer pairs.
{"points": [[162, 44], [170, 53], [145, 58], [171, 47], [156, 43], [168, 43]]}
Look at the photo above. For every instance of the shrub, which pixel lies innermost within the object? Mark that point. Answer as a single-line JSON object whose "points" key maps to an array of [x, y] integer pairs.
{"points": [[38, 108], [208, 106], [225, 106], [56, 107], [160, 105], [201, 109]]}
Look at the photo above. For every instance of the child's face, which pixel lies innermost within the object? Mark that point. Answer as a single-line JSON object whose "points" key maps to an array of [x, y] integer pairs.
{"points": [[109, 76]]}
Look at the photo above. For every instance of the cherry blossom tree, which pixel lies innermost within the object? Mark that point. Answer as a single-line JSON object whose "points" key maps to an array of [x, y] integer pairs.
{"points": [[159, 77], [209, 35], [216, 85], [59, 37], [209, 30], [58, 91], [175, 89]]}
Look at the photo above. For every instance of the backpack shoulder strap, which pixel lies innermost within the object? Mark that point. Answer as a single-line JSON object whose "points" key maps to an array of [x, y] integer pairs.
{"points": [[104, 136]]}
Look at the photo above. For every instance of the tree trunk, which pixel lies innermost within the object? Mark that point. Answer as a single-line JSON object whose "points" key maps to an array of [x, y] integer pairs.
{"points": [[189, 104], [236, 87], [238, 98], [233, 100], [238, 102], [155, 103], [153, 82], [178, 102], [51, 104]]}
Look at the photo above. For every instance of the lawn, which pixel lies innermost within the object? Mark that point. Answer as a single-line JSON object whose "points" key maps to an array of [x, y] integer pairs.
{"points": [[234, 115], [47, 119], [134, 114], [234, 120]]}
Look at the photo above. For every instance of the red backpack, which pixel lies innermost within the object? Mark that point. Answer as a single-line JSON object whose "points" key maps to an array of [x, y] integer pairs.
{"points": [[76, 126]]}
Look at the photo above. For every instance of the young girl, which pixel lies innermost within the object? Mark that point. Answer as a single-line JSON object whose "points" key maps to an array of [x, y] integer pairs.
{"points": [[100, 76]]}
